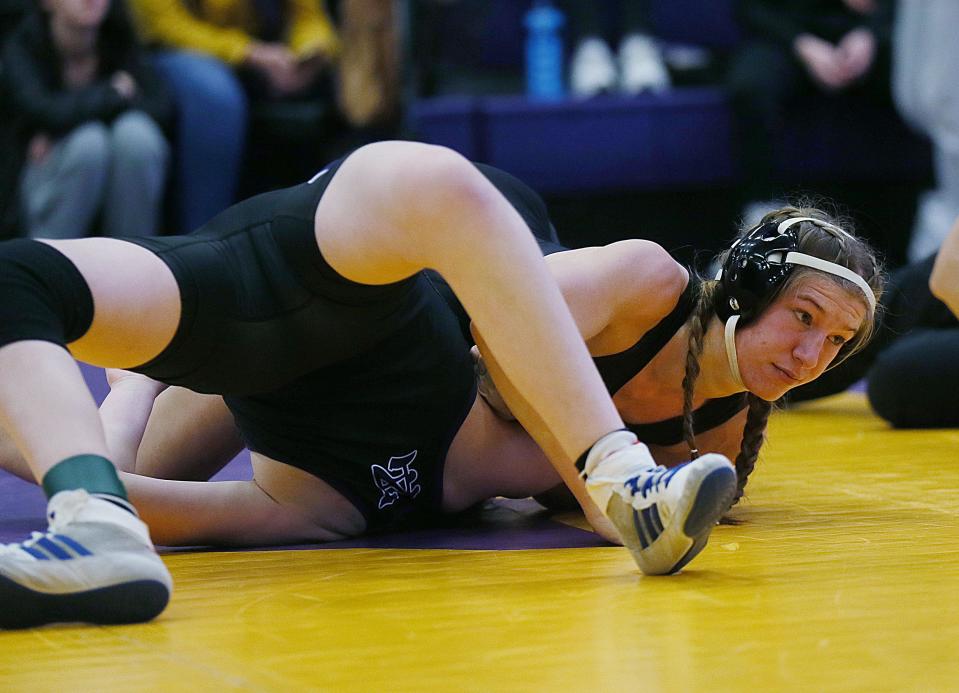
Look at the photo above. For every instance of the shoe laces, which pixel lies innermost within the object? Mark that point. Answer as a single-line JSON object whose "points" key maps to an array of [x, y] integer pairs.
{"points": [[9, 549], [652, 481]]}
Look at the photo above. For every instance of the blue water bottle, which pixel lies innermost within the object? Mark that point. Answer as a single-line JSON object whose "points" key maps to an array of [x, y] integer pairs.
{"points": [[544, 51]]}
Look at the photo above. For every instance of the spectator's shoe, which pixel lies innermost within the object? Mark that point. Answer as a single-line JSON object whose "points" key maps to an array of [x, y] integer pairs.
{"points": [[664, 516], [641, 66], [94, 564], [592, 69]]}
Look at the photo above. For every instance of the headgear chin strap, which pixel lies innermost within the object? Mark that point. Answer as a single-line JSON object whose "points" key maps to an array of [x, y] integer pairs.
{"points": [[731, 357]]}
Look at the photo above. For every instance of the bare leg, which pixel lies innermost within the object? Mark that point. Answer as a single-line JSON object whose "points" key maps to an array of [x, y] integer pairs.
{"points": [[100, 565], [223, 513], [137, 306]]}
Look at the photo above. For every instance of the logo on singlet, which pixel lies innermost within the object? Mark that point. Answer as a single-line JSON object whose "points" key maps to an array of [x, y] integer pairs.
{"points": [[396, 480]]}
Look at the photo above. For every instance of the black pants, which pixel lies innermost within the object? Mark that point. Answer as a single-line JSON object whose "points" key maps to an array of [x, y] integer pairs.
{"points": [[767, 87], [912, 366]]}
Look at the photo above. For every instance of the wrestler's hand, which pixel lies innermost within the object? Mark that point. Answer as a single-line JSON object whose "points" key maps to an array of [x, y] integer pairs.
{"points": [[487, 388], [125, 412]]}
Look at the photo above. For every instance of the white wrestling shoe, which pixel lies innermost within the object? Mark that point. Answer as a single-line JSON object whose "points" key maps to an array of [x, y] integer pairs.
{"points": [[94, 564], [664, 516]]}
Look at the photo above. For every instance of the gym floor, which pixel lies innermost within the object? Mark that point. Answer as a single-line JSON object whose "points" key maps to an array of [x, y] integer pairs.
{"points": [[840, 574]]}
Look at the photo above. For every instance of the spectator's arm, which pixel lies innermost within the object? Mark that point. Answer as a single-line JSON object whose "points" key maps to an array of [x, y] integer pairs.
{"points": [[171, 24], [767, 20], [55, 112], [944, 279], [153, 97], [311, 30]]}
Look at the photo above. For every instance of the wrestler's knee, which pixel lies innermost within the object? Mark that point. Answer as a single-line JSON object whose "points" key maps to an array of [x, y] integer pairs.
{"points": [[42, 295]]}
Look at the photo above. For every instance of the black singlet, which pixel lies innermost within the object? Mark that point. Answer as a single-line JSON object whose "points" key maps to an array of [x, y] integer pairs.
{"points": [[362, 386], [617, 369]]}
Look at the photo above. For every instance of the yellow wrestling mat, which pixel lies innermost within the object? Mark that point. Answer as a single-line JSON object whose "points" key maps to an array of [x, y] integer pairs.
{"points": [[843, 575]]}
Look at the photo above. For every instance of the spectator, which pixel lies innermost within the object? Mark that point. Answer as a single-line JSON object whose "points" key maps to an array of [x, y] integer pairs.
{"points": [[638, 64], [798, 48], [910, 367], [84, 137], [925, 65], [217, 55]]}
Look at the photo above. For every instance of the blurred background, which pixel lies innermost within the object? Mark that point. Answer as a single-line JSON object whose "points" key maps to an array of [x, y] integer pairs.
{"points": [[673, 120]]}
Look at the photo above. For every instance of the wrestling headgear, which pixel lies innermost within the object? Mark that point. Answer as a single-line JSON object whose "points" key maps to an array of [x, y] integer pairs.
{"points": [[758, 264]]}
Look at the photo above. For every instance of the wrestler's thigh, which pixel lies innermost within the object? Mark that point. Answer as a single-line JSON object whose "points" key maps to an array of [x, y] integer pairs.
{"points": [[135, 298]]}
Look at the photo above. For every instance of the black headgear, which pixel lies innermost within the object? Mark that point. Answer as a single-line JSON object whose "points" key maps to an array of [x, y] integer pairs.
{"points": [[759, 262]]}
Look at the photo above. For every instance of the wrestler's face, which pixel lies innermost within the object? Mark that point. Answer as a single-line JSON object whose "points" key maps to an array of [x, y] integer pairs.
{"points": [[81, 14], [798, 335]]}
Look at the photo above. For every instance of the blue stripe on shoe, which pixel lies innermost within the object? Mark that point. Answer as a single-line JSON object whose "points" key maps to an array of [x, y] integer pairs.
{"points": [[53, 549], [36, 553], [78, 549], [651, 530], [640, 531], [656, 520], [670, 474]]}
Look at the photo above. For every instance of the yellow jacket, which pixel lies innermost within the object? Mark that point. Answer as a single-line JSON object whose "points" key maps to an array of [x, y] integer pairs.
{"points": [[225, 28]]}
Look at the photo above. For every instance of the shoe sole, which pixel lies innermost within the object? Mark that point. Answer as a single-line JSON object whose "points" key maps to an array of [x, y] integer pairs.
{"points": [[127, 602], [713, 496]]}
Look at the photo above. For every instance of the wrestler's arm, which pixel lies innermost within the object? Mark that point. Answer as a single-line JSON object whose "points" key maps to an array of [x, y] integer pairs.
{"points": [[176, 435], [626, 287], [124, 414], [944, 280], [177, 442]]}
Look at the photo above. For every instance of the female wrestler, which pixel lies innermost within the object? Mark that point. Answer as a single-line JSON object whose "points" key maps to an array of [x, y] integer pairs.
{"points": [[657, 344], [291, 301]]}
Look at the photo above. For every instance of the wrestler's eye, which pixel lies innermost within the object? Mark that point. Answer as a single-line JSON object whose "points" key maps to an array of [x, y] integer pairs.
{"points": [[804, 317], [838, 340]]}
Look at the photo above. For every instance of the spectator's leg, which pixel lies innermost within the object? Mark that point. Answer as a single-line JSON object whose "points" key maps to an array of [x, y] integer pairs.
{"points": [[60, 196], [592, 65], [907, 305], [914, 383], [637, 17], [762, 79], [134, 193], [641, 64], [212, 115]]}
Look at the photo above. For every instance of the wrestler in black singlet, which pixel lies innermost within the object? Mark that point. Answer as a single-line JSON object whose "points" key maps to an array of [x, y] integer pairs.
{"points": [[362, 386], [619, 369]]}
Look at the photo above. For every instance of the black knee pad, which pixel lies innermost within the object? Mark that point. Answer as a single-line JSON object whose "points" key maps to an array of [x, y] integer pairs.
{"points": [[42, 295]]}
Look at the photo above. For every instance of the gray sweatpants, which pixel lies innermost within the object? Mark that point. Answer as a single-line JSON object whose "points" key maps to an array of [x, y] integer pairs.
{"points": [[925, 84], [117, 170]]}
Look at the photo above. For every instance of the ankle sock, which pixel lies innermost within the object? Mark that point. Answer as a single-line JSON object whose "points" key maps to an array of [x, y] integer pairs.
{"points": [[93, 473]]}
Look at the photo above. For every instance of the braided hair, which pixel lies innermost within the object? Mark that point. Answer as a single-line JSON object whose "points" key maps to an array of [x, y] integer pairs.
{"points": [[821, 240]]}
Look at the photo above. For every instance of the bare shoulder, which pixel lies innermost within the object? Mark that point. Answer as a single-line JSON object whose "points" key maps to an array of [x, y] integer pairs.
{"points": [[649, 281]]}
